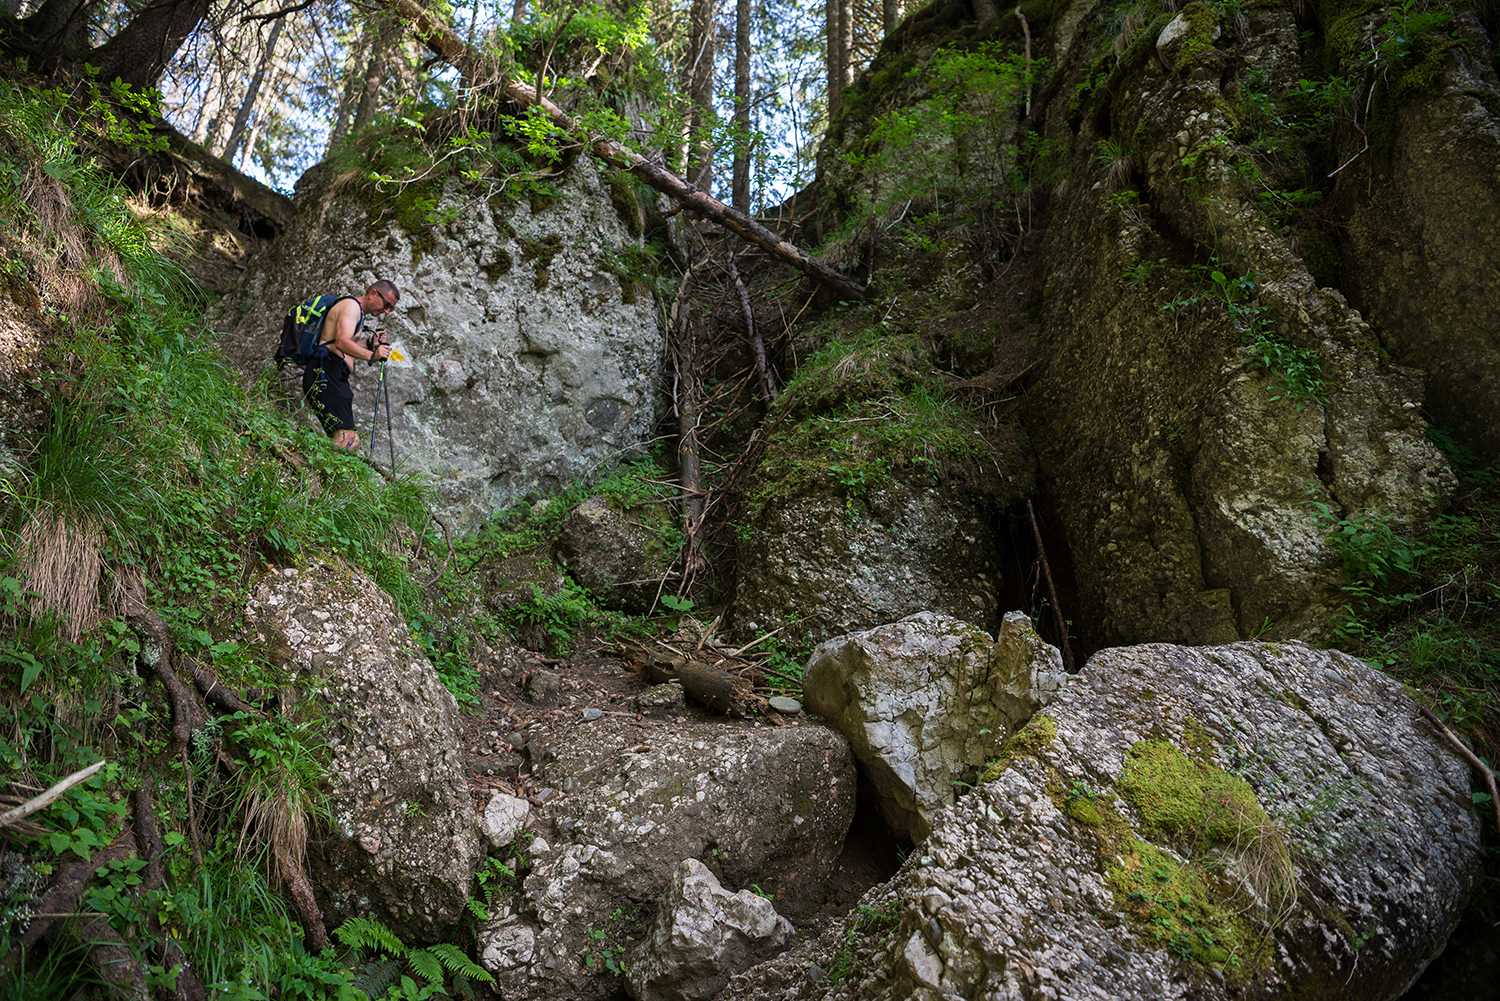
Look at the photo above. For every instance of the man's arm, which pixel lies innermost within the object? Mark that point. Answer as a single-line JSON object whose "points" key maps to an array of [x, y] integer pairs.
{"points": [[344, 318]]}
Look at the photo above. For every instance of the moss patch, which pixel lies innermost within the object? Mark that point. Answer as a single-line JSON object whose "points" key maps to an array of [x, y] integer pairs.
{"points": [[1203, 21], [1028, 742], [1183, 799], [625, 196], [1180, 908], [539, 254], [500, 266]]}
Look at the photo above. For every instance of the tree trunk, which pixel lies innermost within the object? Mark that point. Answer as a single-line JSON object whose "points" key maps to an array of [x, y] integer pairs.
{"points": [[381, 45], [441, 40], [740, 185], [700, 91], [61, 26], [353, 93], [838, 28], [252, 94], [890, 14], [141, 51]]}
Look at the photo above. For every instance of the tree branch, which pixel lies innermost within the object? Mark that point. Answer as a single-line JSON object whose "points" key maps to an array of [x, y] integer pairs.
{"points": [[444, 42], [49, 797]]}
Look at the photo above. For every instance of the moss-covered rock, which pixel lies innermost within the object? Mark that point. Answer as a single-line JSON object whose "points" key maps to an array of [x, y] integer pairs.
{"points": [[1144, 847]]}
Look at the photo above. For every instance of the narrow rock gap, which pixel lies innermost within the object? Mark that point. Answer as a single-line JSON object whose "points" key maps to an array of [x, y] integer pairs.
{"points": [[870, 856], [1021, 586]]}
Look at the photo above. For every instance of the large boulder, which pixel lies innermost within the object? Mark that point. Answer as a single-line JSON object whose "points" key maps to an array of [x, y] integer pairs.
{"points": [[619, 556], [534, 355], [759, 806], [1253, 820], [701, 935], [926, 701], [833, 565], [403, 844]]}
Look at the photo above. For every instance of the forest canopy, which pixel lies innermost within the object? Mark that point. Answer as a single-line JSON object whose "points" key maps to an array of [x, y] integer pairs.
{"points": [[273, 86]]}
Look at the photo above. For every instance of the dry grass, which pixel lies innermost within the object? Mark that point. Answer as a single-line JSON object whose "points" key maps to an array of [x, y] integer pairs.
{"points": [[61, 251], [1261, 854], [62, 564], [272, 819]]}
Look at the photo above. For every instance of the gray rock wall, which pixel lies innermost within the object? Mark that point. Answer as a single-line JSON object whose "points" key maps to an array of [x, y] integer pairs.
{"points": [[534, 364], [1421, 252], [1187, 477]]}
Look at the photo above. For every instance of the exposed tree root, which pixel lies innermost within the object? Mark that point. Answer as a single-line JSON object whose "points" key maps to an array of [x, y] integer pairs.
{"points": [[172, 957], [213, 690], [66, 888], [156, 653], [302, 893], [113, 959]]}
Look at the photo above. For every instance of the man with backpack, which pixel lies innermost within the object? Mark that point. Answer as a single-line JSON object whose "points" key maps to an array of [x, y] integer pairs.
{"points": [[321, 335]]}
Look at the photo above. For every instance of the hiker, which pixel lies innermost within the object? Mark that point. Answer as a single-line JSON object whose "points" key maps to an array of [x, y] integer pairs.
{"points": [[325, 380]]}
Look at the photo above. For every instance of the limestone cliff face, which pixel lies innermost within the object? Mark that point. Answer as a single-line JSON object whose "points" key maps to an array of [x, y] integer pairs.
{"points": [[1202, 408], [534, 361], [1192, 480]]}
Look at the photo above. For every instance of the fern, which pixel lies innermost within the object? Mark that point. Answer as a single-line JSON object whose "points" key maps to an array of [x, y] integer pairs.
{"points": [[365, 933], [464, 989], [425, 964], [377, 978], [459, 964]]}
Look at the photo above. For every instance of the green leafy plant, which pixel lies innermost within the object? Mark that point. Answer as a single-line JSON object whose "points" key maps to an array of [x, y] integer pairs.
{"points": [[604, 946], [415, 974]]}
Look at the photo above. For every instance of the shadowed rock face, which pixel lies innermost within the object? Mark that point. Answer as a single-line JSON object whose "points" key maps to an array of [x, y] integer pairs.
{"points": [[836, 566], [404, 844], [533, 363], [1326, 816], [1422, 248], [1188, 477]]}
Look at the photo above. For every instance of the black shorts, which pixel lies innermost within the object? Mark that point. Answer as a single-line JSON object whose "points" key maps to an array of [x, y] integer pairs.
{"points": [[327, 389]]}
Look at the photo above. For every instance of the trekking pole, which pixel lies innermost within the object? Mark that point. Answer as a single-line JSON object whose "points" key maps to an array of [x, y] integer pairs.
{"points": [[390, 436], [375, 421]]}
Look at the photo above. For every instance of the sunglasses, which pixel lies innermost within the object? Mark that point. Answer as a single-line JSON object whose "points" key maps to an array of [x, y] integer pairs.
{"points": [[388, 304]]}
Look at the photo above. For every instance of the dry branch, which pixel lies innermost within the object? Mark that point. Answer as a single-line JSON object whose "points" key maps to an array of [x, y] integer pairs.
{"points": [[1062, 625], [757, 345], [442, 41], [49, 797], [1473, 759]]}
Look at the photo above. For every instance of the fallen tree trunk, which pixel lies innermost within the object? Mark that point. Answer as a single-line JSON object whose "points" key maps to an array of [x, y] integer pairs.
{"points": [[708, 687], [444, 43]]}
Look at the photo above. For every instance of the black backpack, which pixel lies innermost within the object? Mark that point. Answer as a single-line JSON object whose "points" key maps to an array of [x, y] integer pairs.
{"points": [[301, 329]]}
